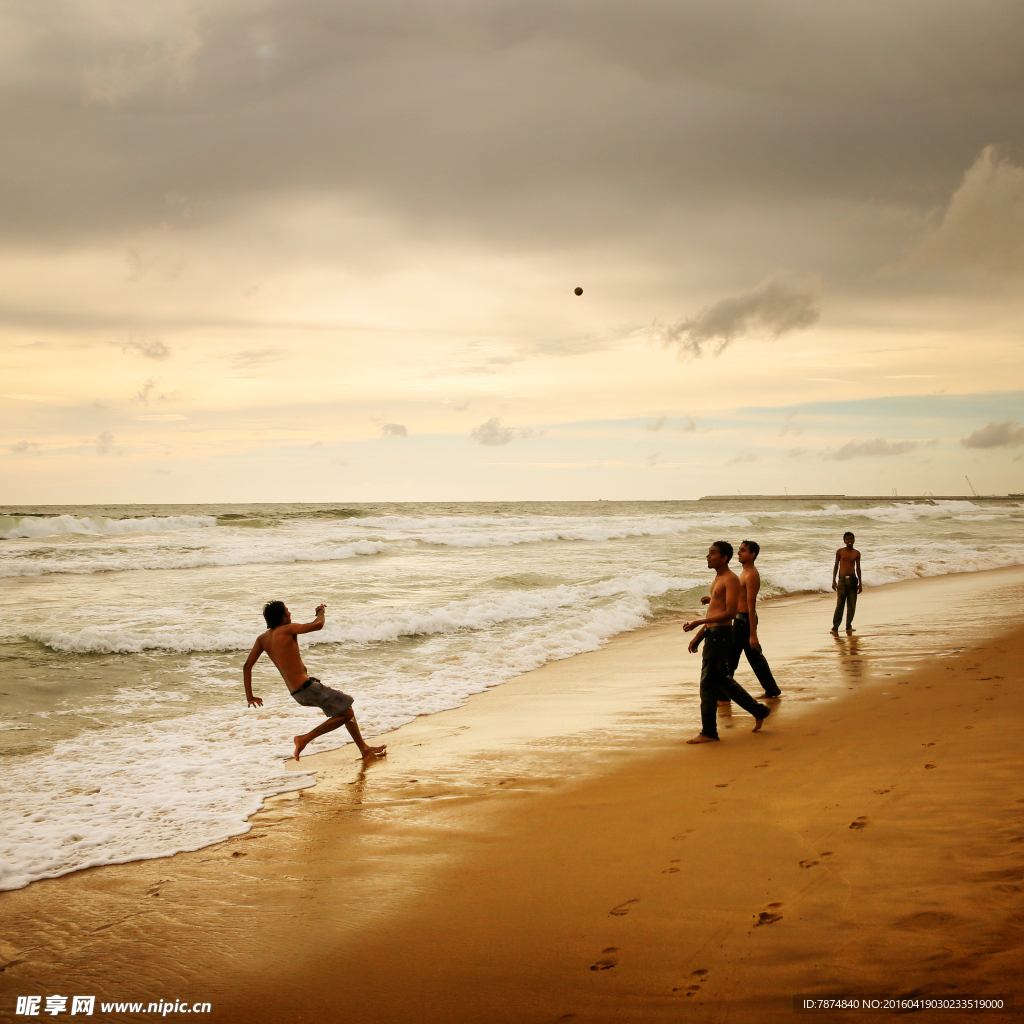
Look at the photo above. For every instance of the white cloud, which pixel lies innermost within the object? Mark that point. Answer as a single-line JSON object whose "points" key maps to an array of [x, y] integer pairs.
{"points": [[105, 444], [878, 447], [394, 430], [494, 433], [150, 347], [983, 226], [23, 448]]}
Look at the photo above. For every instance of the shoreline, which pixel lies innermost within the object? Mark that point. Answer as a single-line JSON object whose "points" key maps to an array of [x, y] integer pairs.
{"points": [[389, 855]]}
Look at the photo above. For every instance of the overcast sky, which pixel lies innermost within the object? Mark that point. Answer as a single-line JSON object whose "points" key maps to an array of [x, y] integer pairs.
{"points": [[315, 251]]}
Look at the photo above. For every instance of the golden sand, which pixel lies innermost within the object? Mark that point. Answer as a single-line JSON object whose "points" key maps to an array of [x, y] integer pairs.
{"points": [[553, 851]]}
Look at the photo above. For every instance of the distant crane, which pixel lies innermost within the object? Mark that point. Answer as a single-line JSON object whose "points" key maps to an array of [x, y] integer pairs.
{"points": [[969, 484]]}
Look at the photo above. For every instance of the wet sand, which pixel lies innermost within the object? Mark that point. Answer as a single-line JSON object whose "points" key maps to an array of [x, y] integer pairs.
{"points": [[553, 851]]}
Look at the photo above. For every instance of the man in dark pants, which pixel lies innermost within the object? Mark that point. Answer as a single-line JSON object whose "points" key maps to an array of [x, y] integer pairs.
{"points": [[715, 675], [745, 626], [848, 585]]}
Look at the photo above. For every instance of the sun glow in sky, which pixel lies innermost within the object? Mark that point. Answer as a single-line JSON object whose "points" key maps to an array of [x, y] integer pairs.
{"points": [[312, 251]]}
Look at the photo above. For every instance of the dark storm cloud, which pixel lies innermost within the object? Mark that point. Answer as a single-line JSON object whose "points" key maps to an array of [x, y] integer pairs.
{"points": [[774, 308], [983, 225], [1007, 434], [517, 121]]}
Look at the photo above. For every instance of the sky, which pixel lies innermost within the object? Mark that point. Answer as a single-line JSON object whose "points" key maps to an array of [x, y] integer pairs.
{"points": [[255, 250]]}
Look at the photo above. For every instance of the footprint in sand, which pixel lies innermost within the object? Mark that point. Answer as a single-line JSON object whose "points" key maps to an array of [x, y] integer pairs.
{"points": [[861, 822], [691, 990], [769, 916], [827, 853], [670, 870], [607, 961], [721, 785], [623, 908], [929, 766], [683, 835], [809, 863], [765, 765]]}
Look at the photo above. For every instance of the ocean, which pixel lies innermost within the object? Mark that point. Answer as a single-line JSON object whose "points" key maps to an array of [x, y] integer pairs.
{"points": [[124, 731]]}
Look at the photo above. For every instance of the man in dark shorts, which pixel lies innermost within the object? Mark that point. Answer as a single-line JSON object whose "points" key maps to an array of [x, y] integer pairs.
{"points": [[280, 644], [715, 675]]}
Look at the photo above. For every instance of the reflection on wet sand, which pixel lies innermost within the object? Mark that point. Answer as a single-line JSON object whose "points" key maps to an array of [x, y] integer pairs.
{"points": [[371, 836], [848, 649]]}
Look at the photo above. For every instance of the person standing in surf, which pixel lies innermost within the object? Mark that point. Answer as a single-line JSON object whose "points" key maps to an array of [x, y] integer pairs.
{"points": [[849, 584], [715, 675], [280, 643]]}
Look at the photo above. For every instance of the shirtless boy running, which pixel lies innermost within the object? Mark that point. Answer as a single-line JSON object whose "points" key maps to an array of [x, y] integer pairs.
{"points": [[280, 644], [849, 584], [715, 675]]}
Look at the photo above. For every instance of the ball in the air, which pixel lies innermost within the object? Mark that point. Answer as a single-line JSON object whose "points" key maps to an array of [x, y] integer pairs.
{"points": [[578, 291]]}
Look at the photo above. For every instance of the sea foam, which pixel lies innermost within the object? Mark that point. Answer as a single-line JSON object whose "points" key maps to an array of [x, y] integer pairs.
{"points": [[157, 789], [12, 527], [357, 626]]}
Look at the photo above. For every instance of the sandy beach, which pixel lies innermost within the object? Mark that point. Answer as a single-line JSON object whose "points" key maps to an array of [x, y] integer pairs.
{"points": [[553, 851]]}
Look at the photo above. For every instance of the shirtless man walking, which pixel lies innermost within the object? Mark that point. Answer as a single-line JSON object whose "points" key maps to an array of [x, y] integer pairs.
{"points": [[280, 644], [715, 676], [849, 584], [745, 626]]}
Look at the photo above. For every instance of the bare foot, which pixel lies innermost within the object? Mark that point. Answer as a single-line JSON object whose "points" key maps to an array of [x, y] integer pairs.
{"points": [[300, 745], [725, 703], [701, 738], [834, 632], [374, 751], [760, 721], [850, 629]]}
